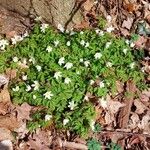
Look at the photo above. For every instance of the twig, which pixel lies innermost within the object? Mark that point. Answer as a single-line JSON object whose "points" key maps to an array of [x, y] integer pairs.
{"points": [[72, 145], [124, 133]]}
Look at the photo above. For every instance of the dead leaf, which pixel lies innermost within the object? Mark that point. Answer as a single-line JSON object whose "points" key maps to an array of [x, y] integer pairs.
{"points": [[127, 23], [140, 107], [88, 5], [3, 80], [11, 73], [23, 112], [140, 43], [131, 7], [5, 134], [40, 140], [134, 120], [114, 106], [145, 123], [4, 108], [5, 96], [120, 86], [124, 32], [10, 122]]}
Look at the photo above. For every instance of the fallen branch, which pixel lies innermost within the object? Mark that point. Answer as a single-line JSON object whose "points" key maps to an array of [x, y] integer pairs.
{"points": [[72, 145]]}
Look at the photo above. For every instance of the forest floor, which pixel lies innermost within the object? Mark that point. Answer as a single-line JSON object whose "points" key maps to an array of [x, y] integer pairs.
{"points": [[125, 122]]}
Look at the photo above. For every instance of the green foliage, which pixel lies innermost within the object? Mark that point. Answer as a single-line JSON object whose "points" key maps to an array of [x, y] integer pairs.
{"points": [[92, 56], [97, 128], [101, 22], [114, 146], [93, 144]]}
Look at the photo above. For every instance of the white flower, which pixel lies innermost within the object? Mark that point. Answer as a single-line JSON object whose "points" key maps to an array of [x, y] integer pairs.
{"points": [[86, 98], [60, 27], [72, 105], [16, 38], [15, 59], [28, 88], [48, 117], [132, 65], [81, 32], [67, 80], [109, 64], [110, 29], [103, 102], [87, 44], [36, 85], [101, 84], [65, 121], [92, 82], [68, 65], [125, 51], [127, 42], [38, 68], [72, 33], [26, 34], [109, 18], [82, 42], [86, 63], [24, 77], [34, 96], [16, 89], [143, 69], [78, 72], [57, 75], [68, 43], [43, 27], [92, 125], [3, 44], [61, 61], [48, 95], [98, 55], [108, 44], [101, 33], [38, 18], [49, 49], [56, 43], [97, 31], [81, 60], [32, 59], [132, 44]]}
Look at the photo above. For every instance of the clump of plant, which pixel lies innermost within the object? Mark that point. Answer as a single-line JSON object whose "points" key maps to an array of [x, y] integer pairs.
{"points": [[58, 69]]}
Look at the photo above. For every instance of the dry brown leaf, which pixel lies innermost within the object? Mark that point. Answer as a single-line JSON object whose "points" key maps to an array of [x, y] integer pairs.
{"points": [[22, 130], [11, 73], [5, 134], [140, 43], [4, 108], [23, 112], [134, 120], [88, 5], [114, 106], [145, 123], [124, 32], [3, 80], [109, 118], [5, 96], [140, 107], [40, 140], [127, 23], [147, 92], [120, 86], [10, 122]]}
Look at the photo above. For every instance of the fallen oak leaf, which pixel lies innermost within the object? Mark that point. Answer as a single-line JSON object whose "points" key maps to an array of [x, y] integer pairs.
{"points": [[23, 112], [127, 23], [5, 134], [9, 121], [5, 96]]}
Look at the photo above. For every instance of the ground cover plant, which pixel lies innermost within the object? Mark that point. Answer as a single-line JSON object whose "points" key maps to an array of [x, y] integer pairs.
{"points": [[66, 71]]}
